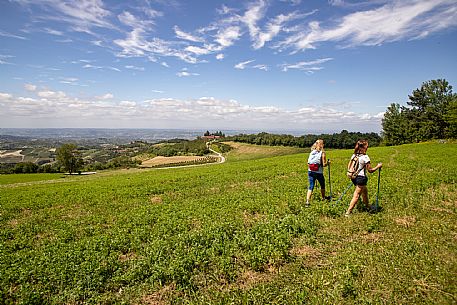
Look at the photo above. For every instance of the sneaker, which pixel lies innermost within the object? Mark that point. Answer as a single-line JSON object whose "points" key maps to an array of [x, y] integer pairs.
{"points": [[307, 204], [347, 215], [328, 197]]}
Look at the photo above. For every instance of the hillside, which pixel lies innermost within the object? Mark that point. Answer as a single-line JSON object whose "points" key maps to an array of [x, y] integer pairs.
{"points": [[234, 233]]}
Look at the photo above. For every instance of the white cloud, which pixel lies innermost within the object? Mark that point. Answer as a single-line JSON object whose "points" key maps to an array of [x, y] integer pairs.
{"points": [[134, 68], [51, 94], [52, 106], [261, 67], [106, 96], [52, 32], [89, 66], [226, 37], [82, 15], [30, 87], [391, 22], [220, 56], [186, 73], [114, 69], [136, 45], [242, 65], [5, 96], [308, 66], [256, 11], [186, 36], [127, 104], [6, 34], [197, 50], [136, 23]]}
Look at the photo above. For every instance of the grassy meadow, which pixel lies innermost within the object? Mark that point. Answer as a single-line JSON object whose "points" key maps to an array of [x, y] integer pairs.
{"points": [[234, 233]]}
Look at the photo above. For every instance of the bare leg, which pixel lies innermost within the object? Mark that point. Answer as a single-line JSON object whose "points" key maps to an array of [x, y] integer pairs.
{"points": [[365, 196], [355, 198], [308, 195]]}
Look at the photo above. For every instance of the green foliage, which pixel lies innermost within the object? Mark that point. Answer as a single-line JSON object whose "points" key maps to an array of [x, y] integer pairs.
{"points": [[70, 158], [451, 117], [221, 147], [182, 147], [235, 233], [344, 139], [431, 115]]}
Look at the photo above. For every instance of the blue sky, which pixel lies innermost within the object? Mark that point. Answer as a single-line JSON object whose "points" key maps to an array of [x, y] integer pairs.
{"points": [[262, 65]]}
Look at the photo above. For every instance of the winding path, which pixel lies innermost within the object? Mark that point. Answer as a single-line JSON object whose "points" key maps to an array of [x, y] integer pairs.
{"points": [[219, 155]]}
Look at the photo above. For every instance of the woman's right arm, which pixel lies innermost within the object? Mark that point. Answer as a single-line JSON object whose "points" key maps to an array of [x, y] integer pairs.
{"points": [[373, 169]]}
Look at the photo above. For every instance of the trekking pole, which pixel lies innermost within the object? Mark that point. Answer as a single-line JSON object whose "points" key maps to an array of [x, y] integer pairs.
{"points": [[350, 184], [377, 194], [329, 181]]}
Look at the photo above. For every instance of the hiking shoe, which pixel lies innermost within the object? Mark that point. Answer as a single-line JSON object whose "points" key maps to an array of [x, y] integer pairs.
{"points": [[328, 197]]}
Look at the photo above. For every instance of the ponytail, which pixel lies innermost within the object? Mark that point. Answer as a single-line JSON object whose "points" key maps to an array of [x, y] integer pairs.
{"points": [[361, 147]]}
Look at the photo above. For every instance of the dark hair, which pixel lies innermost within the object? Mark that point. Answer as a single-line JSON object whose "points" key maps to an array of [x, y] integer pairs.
{"points": [[361, 147]]}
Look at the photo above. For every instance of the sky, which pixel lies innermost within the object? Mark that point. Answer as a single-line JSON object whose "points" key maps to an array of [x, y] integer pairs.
{"points": [[270, 65]]}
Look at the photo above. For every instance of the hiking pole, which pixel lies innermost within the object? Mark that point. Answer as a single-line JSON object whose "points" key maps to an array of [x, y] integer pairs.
{"points": [[329, 181], [350, 184], [377, 194]]}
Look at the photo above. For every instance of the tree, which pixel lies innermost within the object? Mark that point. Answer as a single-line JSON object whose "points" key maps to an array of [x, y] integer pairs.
{"points": [[432, 114], [70, 158], [451, 118], [429, 104]]}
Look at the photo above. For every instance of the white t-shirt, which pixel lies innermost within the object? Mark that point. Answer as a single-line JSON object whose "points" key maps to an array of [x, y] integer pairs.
{"points": [[363, 161]]}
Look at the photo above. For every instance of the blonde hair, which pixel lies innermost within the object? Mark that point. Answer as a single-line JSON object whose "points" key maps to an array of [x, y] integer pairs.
{"points": [[318, 145]]}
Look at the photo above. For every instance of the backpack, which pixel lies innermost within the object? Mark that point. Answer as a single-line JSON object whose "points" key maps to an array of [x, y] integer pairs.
{"points": [[353, 167], [314, 160]]}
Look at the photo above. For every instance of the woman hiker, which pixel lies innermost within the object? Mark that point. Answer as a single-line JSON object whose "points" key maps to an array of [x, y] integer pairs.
{"points": [[358, 166], [316, 163]]}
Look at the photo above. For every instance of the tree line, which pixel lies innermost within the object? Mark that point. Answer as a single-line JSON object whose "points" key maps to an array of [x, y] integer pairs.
{"points": [[344, 139], [431, 113]]}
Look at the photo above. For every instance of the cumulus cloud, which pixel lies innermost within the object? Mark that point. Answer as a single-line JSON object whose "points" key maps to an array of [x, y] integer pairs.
{"points": [[106, 96], [30, 87], [56, 104], [127, 103], [51, 94], [5, 96]]}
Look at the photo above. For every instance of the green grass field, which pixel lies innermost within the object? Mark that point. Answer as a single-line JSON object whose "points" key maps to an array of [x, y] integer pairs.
{"points": [[234, 233]]}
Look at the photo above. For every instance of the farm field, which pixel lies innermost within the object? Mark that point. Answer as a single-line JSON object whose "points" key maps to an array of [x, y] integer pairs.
{"points": [[234, 233]]}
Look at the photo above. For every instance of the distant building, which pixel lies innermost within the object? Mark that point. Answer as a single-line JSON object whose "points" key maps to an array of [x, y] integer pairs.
{"points": [[211, 137]]}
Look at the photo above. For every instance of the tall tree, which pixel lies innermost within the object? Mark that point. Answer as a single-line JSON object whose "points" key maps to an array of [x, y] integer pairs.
{"points": [[69, 156], [451, 117], [429, 104]]}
